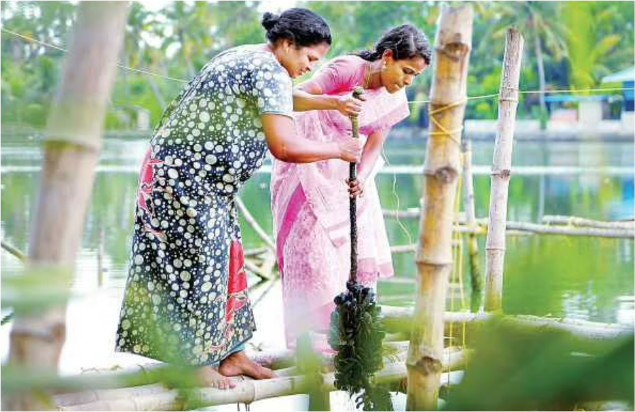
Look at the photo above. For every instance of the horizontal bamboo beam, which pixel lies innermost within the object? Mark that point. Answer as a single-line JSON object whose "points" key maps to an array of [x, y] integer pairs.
{"points": [[158, 397], [275, 359], [399, 319], [570, 231], [621, 231], [580, 221]]}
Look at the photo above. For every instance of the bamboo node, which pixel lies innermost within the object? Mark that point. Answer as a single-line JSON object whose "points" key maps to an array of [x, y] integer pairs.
{"points": [[426, 364], [504, 173], [508, 94], [53, 333], [446, 174], [455, 50]]}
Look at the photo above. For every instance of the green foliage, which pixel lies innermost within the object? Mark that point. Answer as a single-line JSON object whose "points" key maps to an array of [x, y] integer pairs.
{"points": [[31, 291], [580, 42], [542, 370], [593, 41], [356, 334]]}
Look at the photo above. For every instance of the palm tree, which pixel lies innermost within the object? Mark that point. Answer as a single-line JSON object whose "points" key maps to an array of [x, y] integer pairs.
{"points": [[595, 43], [188, 31], [541, 25]]}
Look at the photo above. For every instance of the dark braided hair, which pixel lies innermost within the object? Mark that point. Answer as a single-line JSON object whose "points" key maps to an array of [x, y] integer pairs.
{"points": [[405, 41], [301, 26]]}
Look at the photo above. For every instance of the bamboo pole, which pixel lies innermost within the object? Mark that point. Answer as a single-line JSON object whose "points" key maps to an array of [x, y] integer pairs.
{"points": [[580, 221], [441, 171], [501, 171], [71, 152], [476, 275], [158, 397], [254, 224]]}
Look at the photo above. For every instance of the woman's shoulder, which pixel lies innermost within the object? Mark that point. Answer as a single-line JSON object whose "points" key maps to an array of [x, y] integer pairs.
{"points": [[348, 60], [248, 52], [342, 73]]}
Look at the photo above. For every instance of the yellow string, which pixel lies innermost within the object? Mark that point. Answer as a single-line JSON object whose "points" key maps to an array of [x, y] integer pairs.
{"points": [[452, 134]]}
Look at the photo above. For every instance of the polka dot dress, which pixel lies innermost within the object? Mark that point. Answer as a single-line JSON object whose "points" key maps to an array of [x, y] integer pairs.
{"points": [[186, 295]]}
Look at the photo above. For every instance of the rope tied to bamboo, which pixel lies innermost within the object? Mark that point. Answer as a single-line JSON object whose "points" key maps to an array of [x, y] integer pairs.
{"points": [[357, 331], [443, 132]]}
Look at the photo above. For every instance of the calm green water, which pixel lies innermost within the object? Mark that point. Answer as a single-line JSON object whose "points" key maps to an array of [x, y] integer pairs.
{"points": [[585, 278]]}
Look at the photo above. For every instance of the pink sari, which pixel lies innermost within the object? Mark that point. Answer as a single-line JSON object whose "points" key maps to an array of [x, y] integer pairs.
{"points": [[310, 205]]}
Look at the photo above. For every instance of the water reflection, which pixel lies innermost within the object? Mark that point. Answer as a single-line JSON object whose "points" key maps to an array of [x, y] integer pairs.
{"points": [[584, 278]]}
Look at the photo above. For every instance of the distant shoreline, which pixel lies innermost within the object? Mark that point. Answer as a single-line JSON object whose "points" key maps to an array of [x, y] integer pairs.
{"points": [[408, 134]]}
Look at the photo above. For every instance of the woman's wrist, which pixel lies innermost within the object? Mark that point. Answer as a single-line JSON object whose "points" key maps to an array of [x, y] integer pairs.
{"points": [[335, 151], [334, 102], [362, 172]]}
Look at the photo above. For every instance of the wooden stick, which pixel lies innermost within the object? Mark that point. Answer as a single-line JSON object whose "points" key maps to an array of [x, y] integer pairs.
{"points": [[412, 247], [256, 270], [253, 253], [501, 171], [579, 221], [569, 231], [412, 213], [441, 170], [476, 275], [254, 224], [14, 251]]}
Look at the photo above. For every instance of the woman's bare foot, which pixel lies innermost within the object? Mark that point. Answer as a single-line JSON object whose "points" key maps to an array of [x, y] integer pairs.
{"points": [[209, 376], [239, 364]]}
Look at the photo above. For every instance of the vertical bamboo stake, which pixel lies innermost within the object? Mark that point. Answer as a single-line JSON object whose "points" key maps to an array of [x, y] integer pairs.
{"points": [[441, 170], [501, 171], [470, 216], [71, 152]]}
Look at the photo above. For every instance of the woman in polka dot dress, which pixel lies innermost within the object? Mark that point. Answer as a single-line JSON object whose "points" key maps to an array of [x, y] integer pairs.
{"points": [[186, 296]]}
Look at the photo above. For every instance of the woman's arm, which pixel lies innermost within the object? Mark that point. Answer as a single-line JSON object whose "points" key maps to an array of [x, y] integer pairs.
{"points": [[287, 146], [372, 149], [309, 96]]}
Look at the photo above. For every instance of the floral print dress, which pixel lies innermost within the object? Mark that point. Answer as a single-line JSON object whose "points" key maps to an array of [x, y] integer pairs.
{"points": [[186, 295]]}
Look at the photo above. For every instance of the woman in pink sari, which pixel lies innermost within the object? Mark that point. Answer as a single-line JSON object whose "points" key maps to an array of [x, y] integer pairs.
{"points": [[310, 202]]}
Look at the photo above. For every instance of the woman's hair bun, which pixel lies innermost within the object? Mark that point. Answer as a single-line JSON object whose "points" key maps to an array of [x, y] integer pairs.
{"points": [[269, 20]]}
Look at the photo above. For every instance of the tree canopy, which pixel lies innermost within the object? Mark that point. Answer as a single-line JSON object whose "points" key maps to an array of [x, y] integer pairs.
{"points": [[569, 44]]}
